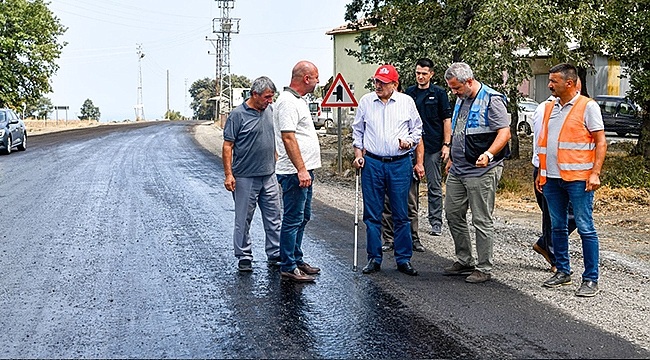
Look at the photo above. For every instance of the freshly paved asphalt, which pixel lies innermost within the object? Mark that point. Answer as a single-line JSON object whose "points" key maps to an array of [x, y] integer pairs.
{"points": [[116, 242]]}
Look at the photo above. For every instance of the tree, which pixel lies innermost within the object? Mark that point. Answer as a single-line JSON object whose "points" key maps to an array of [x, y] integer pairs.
{"points": [[173, 115], [40, 108], [628, 37], [201, 91], [498, 39], [29, 45], [89, 111], [204, 89]]}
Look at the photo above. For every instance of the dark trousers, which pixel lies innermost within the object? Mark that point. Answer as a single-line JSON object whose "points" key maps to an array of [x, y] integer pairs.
{"points": [[413, 209], [545, 241]]}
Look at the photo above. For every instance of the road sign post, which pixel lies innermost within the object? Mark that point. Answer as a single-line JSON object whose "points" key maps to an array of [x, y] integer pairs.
{"points": [[339, 95]]}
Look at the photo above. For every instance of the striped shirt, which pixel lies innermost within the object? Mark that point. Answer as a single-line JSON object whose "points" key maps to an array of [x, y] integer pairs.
{"points": [[379, 126]]}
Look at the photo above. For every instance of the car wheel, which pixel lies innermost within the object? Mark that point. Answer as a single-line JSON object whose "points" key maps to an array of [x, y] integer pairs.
{"points": [[621, 133], [524, 128], [23, 145], [329, 123], [7, 151]]}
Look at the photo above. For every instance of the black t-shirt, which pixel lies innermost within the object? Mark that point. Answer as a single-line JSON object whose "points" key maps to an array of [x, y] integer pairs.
{"points": [[433, 107]]}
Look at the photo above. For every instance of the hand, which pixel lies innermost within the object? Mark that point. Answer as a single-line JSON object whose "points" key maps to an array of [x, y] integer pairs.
{"points": [[405, 145], [229, 183], [593, 183], [482, 161], [304, 178], [418, 169], [444, 153], [357, 163], [448, 166], [538, 187]]}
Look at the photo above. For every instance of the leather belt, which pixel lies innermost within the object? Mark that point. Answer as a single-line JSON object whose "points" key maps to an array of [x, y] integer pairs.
{"points": [[387, 159]]}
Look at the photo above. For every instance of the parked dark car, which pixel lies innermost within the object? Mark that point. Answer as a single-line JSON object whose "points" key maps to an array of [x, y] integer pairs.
{"points": [[13, 133], [620, 115]]}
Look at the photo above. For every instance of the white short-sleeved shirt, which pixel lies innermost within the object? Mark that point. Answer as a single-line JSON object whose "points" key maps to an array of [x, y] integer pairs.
{"points": [[593, 121], [291, 114]]}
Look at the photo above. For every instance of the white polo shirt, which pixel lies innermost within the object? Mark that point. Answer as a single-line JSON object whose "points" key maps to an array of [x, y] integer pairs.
{"points": [[291, 114]]}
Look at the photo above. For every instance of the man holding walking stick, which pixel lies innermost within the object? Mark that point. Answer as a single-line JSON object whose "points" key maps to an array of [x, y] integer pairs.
{"points": [[386, 127]]}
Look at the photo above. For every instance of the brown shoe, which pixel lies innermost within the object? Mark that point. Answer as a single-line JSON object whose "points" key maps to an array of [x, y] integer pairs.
{"points": [[296, 275], [538, 249], [308, 269], [478, 277]]}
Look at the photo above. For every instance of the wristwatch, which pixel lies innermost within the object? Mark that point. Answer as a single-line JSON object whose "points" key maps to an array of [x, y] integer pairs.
{"points": [[446, 144], [489, 155]]}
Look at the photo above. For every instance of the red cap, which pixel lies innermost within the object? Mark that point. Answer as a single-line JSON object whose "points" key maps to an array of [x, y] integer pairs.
{"points": [[387, 74]]}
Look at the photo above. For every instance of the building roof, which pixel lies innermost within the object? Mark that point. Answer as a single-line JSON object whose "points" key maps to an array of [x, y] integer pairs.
{"points": [[350, 28]]}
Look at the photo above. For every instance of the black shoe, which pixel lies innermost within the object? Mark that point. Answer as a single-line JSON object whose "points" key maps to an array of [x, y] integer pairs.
{"points": [[436, 230], [558, 279], [417, 246], [274, 261], [373, 266], [588, 288], [388, 246], [245, 265], [407, 269]]}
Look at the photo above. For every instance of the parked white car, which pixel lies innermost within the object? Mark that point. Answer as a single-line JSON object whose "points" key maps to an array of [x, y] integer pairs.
{"points": [[526, 109]]}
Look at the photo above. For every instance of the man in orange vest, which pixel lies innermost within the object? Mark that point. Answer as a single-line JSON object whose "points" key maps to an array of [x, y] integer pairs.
{"points": [[571, 148]]}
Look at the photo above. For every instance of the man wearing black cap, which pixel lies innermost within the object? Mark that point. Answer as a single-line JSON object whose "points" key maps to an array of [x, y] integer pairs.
{"points": [[386, 128]]}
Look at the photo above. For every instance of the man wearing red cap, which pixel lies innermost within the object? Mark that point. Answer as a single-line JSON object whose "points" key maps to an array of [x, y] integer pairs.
{"points": [[386, 127]]}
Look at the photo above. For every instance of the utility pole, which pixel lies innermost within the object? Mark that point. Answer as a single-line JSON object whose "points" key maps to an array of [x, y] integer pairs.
{"points": [[216, 43], [167, 113], [224, 26], [139, 106], [185, 106]]}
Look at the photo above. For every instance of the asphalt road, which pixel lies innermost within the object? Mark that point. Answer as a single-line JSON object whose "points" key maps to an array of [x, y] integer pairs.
{"points": [[116, 243]]}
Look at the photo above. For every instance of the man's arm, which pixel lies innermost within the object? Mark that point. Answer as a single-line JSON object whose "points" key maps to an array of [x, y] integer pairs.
{"points": [[293, 151], [419, 160], [446, 138], [593, 182], [226, 155]]}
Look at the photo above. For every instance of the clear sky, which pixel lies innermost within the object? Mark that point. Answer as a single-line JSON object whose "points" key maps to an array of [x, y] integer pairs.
{"points": [[100, 61]]}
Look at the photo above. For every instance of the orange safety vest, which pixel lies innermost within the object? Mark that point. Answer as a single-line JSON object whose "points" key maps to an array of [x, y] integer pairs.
{"points": [[576, 151]]}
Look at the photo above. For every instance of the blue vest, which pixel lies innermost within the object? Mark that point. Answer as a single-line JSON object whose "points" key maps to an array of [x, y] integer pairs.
{"points": [[477, 119]]}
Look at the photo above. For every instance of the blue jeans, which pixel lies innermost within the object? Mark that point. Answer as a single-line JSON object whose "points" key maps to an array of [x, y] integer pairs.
{"points": [[378, 180], [545, 241], [558, 193], [297, 212]]}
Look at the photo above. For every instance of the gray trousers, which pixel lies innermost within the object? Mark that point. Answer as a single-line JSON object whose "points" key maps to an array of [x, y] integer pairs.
{"points": [[432, 168], [477, 193], [413, 207], [249, 193]]}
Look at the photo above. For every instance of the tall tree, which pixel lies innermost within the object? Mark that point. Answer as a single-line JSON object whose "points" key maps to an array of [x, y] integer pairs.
{"points": [[40, 108], [203, 90], [89, 111], [627, 29], [29, 46], [497, 38]]}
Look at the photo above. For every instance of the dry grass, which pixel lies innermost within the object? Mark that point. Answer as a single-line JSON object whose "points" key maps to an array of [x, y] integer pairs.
{"points": [[44, 126]]}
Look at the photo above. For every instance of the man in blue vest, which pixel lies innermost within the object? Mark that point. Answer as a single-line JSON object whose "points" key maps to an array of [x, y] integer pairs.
{"points": [[480, 135]]}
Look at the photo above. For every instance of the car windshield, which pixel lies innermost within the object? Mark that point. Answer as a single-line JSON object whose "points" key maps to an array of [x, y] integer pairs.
{"points": [[3, 116], [528, 106], [607, 106]]}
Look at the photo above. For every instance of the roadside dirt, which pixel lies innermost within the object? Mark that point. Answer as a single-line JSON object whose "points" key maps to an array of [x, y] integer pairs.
{"points": [[622, 226]]}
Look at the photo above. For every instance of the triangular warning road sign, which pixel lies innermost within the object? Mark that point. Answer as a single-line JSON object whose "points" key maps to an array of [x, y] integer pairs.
{"points": [[339, 94]]}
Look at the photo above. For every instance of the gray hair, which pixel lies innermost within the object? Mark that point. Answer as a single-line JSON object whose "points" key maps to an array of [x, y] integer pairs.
{"points": [[262, 84], [460, 71]]}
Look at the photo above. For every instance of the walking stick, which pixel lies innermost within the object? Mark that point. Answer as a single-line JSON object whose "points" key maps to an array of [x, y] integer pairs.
{"points": [[356, 219]]}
